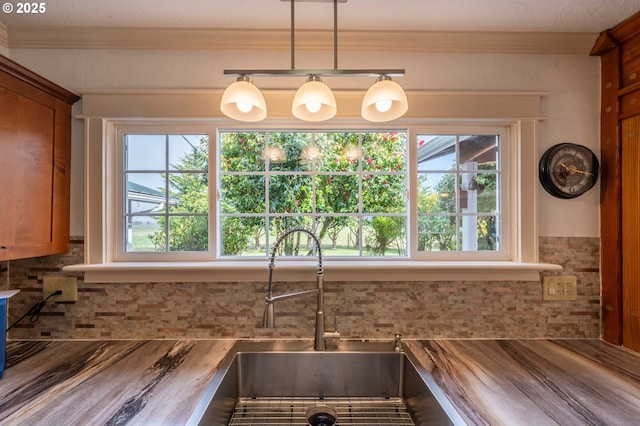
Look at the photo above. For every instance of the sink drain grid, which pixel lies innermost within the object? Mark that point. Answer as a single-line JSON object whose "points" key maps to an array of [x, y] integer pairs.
{"points": [[350, 411]]}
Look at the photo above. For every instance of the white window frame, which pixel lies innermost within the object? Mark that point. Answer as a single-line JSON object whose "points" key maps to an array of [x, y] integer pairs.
{"points": [[117, 213], [104, 111], [508, 164]]}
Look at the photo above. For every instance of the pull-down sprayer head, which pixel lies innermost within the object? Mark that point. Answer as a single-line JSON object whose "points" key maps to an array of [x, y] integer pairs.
{"points": [[268, 319]]}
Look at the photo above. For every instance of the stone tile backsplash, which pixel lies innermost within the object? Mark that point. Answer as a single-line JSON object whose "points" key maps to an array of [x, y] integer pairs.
{"points": [[429, 309]]}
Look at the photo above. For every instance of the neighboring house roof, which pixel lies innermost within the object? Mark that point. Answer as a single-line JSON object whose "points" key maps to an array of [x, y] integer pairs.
{"points": [[145, 194]]}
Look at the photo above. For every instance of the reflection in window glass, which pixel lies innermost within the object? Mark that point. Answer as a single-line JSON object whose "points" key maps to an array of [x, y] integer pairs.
{"points": [[458, 192], [166, 193]]}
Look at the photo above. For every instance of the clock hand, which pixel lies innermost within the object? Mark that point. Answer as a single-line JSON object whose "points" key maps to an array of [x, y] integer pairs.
{"points": [[572, 170], [584, 173]]}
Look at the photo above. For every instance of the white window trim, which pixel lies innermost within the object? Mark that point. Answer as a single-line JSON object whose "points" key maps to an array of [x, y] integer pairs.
{"points": [[115, 161], [509, 164], [520, 111]]}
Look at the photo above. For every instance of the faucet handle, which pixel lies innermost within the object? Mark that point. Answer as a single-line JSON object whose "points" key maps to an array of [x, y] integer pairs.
{"points": [[335, 334], [331, 335]]}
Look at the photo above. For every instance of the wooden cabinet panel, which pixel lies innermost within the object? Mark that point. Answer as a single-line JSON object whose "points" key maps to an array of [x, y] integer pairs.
{"points": [[35, 160], [610, 196], [619, 50], [25, 146], [631, 233], [630, 61], [630, 103]]}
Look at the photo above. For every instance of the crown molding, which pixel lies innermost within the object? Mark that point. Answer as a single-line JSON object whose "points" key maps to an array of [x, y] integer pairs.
{"points": [[25, 75], [308, 40]]}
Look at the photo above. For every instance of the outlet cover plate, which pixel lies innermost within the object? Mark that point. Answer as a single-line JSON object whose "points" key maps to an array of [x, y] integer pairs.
{"points": [[559, 287], [68, 285]]}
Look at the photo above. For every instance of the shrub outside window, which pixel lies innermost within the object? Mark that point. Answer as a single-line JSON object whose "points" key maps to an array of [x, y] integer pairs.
{"points": [[350, 188]]}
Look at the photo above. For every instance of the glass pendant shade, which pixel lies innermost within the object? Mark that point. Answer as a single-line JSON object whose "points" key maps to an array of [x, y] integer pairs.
{"points": [[384, 101], [243, 101], [314, 101]]}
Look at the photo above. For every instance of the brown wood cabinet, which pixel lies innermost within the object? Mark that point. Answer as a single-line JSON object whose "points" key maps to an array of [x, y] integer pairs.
{"points": [[619, 50], [35, 163]]}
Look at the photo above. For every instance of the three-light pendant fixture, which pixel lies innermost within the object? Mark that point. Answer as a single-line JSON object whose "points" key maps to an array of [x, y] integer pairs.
{"points": [[314, 101]]}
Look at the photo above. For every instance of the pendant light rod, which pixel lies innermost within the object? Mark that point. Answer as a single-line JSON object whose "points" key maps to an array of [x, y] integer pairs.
{"points": [[335, 34], [319, 72], [293, 35]]}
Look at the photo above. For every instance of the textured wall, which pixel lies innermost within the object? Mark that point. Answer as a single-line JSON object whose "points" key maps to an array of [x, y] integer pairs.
{"points": [[466, 309]]}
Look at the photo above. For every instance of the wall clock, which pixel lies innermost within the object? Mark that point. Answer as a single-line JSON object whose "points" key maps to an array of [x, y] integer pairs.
{"points": [[568, 170]]}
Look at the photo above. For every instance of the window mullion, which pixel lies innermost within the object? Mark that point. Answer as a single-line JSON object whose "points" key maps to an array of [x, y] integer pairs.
{"points": [[360, 197], [267, 189], [166, 195]]}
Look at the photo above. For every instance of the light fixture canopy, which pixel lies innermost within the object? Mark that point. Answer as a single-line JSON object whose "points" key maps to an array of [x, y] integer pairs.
{"points": [[243, 101], [314, 101], [384, 101]]}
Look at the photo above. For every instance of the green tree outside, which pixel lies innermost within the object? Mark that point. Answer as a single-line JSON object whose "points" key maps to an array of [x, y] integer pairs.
{"points": [[438, 230], [187, 221], [349, 163]]}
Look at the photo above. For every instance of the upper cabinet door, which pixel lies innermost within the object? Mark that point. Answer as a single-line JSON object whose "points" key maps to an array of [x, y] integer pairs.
{"points": [[35, 162]]}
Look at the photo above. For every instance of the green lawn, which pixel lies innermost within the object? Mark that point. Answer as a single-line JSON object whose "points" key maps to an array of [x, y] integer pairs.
{"points": [[142, 243], [140, 237]]}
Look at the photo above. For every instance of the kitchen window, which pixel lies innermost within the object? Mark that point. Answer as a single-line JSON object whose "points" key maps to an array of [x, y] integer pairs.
{"points": [[165, 185], [350, 187], [464, 196], [461, 193]]}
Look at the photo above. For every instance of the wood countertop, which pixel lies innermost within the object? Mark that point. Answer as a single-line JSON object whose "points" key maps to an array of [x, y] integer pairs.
{"points": [[106, 382], [159, 382], [536, 382]]}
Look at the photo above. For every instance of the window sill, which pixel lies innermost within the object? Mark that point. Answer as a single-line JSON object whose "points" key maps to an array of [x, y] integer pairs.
{"points": [[293, 270]]}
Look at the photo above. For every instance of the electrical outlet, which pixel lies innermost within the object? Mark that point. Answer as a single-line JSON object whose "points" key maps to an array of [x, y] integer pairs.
{"points": [[561, 287], [68, 286]]}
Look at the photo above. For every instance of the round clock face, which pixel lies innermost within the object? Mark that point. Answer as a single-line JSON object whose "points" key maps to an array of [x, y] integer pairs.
{"points": [[568, 170]]}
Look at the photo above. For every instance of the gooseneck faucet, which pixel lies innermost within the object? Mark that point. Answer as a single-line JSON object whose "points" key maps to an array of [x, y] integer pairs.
{"points": [[269, 316]]}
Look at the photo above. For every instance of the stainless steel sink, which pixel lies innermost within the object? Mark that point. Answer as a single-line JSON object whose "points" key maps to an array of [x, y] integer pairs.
{"points": [[289, 376]]}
